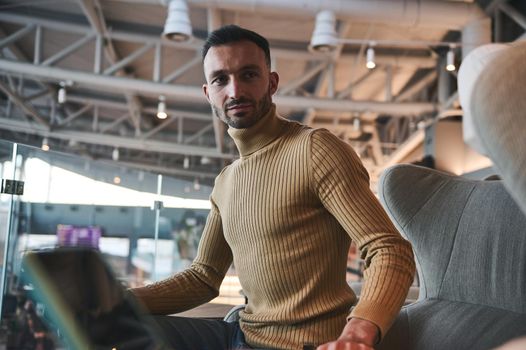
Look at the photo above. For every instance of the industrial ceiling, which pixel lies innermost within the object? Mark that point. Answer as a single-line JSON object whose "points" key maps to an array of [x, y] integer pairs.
{"points": [[114, 66]]}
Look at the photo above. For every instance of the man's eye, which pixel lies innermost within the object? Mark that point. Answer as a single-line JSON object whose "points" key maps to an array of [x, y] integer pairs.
{"points": [[219, 80], [250, 75]]}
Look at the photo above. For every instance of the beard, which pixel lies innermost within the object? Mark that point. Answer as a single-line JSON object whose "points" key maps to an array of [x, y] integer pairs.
{"points": [[260, 109]]}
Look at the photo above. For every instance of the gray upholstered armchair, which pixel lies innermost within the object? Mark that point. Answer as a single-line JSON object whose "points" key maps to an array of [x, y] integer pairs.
{"points": [[469, 239]]}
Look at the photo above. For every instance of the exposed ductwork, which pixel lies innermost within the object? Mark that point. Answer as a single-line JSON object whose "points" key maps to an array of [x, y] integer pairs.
{"points": [[149, 39], [440, 14]]}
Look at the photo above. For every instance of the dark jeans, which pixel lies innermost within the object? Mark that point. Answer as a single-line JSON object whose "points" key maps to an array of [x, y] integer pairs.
{"points": [[201, 334]]}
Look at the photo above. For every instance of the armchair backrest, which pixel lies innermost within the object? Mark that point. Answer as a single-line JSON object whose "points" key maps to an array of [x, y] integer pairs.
{"points": [[469, 237], [491, 85], [499, 109]]}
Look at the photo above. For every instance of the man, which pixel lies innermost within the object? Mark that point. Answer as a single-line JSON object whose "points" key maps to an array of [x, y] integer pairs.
{"points": [[284, 214]]}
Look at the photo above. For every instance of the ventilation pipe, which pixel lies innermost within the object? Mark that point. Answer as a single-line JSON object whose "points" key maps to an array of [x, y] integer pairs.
{"points": [[467, 17], [439, 14]]}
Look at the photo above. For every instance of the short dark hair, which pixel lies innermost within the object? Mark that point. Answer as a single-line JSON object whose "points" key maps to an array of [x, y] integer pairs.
{"points": [[232, 33]]}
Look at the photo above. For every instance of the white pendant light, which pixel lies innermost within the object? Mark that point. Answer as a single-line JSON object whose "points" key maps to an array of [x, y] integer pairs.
{"points": [[450, 60], [62, 94], [178, 26], [45, 144], [115, 154], [161, 108], [370, 58], [324, 38]]}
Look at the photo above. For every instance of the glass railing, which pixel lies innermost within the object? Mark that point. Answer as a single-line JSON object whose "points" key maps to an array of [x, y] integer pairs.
{"points": [[146, 227]]}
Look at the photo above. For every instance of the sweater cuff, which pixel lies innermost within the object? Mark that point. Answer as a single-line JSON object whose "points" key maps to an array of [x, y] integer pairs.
{"points": [[376, 313]]}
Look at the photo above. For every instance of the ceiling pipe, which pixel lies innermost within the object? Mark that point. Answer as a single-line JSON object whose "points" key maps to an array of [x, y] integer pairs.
{"points": [[437, 14], [441, 14], [195, 94]]}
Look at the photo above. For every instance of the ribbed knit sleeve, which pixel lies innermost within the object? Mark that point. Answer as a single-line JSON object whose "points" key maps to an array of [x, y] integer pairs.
{"points": [[199, 283], [342, 185]]}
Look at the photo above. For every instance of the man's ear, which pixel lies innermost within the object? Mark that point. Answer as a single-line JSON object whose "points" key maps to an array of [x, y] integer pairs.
{"points": [[205, 91], [274, 81]]}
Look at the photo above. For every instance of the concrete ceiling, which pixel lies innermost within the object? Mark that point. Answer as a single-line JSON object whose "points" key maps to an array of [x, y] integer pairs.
{"points": [[110, 56]]}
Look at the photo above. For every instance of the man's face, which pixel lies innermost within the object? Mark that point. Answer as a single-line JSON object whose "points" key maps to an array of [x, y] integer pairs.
{"points": [[239, 85]]}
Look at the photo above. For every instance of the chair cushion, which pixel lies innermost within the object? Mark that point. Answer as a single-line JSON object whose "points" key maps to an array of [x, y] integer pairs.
{"points": [[439, 324]]}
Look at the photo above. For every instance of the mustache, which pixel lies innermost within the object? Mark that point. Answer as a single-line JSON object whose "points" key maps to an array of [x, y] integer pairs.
{"points": [[233, 103]]}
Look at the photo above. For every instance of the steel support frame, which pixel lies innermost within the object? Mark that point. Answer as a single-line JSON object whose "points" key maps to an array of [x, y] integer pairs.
{"points": [[322, 103]]}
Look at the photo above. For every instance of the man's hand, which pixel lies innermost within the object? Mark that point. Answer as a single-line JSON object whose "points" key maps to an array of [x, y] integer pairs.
{"points": [[358, 334]]}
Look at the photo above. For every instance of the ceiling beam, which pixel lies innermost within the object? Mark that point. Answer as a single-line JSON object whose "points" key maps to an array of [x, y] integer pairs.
{"points": [[101, 102], [75, 115], [354, 84], [29, 110], [111, 140], [196, 45], [195, 93], [417, 87], [16, 35], [183, 69], [93, 12], [305, 76], [159, 127], [69, 50]]}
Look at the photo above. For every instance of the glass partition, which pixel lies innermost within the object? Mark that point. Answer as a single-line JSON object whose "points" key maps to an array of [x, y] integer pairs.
{"points": [[185, 223], [131, 216], [75, 201], [7, 172]]}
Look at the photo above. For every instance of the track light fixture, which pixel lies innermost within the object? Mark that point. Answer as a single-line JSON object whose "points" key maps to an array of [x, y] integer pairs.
{"points": [[178, 26], [115, 154], [357, 124], [62, 94], [450, 60], [161, 108], [45, 144], [324, 38], [370, 58]]}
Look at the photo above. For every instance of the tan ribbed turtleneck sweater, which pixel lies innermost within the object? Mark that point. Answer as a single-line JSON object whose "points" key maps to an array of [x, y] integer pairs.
{"points": [[285, 214]]}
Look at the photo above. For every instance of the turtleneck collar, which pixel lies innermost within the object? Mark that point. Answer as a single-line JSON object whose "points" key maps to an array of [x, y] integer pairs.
{"points": [[251, 139]]}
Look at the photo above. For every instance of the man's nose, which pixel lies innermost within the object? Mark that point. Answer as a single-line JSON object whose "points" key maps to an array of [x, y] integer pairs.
{"points": [[234, 88]]}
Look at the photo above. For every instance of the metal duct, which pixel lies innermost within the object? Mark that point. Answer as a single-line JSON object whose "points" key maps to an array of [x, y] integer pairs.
{"points": [[437, 14], [441, 14]]}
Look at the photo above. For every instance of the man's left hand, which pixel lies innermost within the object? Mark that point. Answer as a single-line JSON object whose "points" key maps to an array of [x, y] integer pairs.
{"points": [[358, 334]]}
